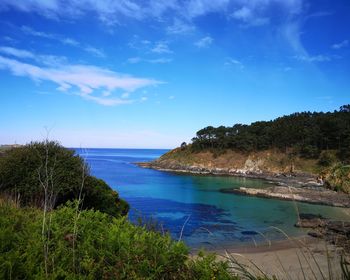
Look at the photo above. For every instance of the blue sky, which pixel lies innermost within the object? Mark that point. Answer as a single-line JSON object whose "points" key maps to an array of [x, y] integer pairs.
{"points": [[149, 74]]}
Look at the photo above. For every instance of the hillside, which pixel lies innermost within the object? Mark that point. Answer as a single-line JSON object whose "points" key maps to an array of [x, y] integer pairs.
{"points": [[310, 148], [229, 161]]}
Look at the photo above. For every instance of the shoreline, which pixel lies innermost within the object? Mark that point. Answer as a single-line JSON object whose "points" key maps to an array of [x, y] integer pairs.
{"points": [[300, 187], [281, 179], [262, 247]]}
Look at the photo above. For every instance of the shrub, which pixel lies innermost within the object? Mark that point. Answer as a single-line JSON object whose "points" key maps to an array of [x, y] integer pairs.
{"points": [[326, 158], [102, 248], [338, 178], [24, 171]]}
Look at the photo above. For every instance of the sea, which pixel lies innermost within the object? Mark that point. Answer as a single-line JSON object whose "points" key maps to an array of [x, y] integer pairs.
{"points": [[192, 208]]}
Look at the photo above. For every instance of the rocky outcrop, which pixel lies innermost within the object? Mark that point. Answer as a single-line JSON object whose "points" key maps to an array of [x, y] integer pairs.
{"points": [[249, 171], [301, 194], [269, 165], [335, 232]]}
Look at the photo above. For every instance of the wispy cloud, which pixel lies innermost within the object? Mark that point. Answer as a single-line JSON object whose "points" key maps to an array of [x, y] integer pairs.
{"points": [[134, 60], [340, 45], [315, 58], [180, 27], [161, 47], [50, 60], [233, 62], [177, 16], [86, 81], [111, 12], [248, 18], [16, 52], [95, 51], [70, 41], [63, 40], [161, 60], [204, 42]]}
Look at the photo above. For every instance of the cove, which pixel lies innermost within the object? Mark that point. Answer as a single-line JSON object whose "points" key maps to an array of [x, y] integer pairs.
{"points": [[193, 206]]}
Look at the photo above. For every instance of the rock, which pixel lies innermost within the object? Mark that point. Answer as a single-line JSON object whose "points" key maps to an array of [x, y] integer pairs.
{"points": [[315, 234], [305, 216], [339, 227], [309, 223]]}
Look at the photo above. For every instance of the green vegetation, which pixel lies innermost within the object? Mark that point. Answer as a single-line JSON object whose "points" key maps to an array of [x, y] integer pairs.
{"points": [[93, 245], [305, 134], [45, 174], [43, 235], [338, 178]]}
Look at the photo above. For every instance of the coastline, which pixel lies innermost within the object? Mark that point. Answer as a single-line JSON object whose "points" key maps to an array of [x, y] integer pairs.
{"points": [[300, 187]]}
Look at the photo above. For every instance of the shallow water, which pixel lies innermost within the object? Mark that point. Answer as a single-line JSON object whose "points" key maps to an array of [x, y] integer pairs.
{"points": [[194, 205]]}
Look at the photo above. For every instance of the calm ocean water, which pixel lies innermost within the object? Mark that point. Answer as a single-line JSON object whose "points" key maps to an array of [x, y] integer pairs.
{"points": [[194, 204]]}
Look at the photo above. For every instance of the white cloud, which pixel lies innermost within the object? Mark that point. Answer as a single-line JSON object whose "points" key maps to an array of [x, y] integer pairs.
{"points": [[316, 58], [125, 95], [243, 13], [95, 51], [112, 12], [180, 27], [195, 8], [134, 60], [106, 93], [204, 42], [51, 60], [161, 47], [30, 31], [291, 32], [70, 41], [64, 40], [233, 62], [83, 80], [340, 45], [249, 18], [162, 60], [16, 52], [171, 97], [106, 101]]}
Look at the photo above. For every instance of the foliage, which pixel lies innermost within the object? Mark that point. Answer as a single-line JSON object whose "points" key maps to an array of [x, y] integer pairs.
{"points": [[308, 133], [26, 169], [327, 158], [102, 248], [338, 178], [205, 267]]}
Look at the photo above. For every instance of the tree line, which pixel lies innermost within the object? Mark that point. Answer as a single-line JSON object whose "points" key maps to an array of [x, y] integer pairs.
{"points": [[306, 133]]}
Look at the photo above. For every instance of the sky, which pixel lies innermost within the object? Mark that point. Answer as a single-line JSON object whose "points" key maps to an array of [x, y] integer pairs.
{"points": [[149, 74]]}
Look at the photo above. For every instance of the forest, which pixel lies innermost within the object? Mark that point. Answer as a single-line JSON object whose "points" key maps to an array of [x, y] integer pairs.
{"points": [[306, 134]]}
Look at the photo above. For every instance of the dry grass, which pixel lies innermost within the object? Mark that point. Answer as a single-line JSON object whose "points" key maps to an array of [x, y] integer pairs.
{"points": [[269, 160]]}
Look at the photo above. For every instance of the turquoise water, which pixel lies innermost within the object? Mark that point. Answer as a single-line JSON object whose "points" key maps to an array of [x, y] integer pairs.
{"points": [[194, 205]]}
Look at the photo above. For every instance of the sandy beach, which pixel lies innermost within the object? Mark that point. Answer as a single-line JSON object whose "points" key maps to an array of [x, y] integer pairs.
{"points": [[288, 259]]}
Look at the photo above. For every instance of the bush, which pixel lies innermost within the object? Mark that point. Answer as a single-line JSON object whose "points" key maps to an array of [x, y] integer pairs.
{"points": [[326, 158], [338, 178], [102, 248], [25, 170]]}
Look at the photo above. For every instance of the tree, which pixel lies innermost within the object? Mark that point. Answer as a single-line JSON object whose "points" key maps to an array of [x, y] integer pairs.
{"points": [[40, 170]]}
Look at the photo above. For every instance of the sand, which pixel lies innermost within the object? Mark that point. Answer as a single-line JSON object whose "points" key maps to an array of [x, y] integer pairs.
{"points": [[289, 259]]}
